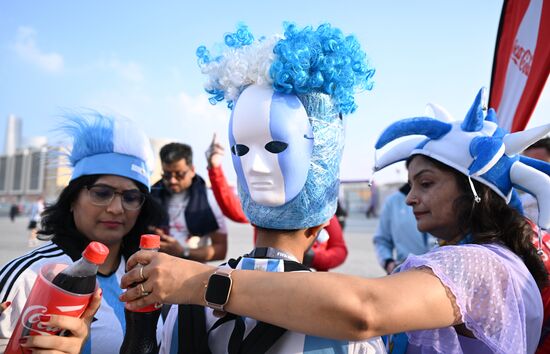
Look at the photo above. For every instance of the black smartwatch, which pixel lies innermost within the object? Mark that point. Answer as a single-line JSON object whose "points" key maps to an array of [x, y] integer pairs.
{"points": [[218, 289]]}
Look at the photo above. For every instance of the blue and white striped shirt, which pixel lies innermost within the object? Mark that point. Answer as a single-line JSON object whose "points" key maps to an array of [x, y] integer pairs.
{"points": [[290, 342]]}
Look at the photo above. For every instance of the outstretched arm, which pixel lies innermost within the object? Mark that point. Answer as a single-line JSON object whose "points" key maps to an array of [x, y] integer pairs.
{"points": [[322, 304], [229, 203]]}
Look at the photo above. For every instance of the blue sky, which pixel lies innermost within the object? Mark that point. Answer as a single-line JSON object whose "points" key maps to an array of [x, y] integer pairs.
{"points": [[137, 59]]}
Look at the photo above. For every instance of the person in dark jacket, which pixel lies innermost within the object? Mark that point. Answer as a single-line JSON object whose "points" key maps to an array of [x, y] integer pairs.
{"points": [[192, 226]]}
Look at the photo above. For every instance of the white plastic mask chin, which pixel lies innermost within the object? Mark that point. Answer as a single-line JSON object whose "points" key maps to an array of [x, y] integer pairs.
{"points": [[271, 143]]}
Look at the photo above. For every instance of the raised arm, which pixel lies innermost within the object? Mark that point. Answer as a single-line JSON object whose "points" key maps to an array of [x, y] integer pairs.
{"points": [[229, 203], [336, 251]]}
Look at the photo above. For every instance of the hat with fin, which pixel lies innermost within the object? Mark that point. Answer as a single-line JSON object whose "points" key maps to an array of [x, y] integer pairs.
{"points": [[478, 148], [108, 145]]}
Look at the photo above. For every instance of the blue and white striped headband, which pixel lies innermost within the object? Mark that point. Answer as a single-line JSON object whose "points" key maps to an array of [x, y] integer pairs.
{"points": [[107, 145], [478, 148]]}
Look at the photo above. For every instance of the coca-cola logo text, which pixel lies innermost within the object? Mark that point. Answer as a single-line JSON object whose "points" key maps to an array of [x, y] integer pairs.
{"points": [[30, 319], [522, 57]]}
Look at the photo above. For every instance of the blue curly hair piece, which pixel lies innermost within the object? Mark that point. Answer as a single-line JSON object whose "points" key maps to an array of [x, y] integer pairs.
{"points": [[321, 60], [305, 61], [240, 38]]}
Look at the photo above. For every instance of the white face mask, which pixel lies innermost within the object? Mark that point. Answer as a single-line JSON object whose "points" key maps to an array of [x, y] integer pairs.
{"points": [[271, 143]]}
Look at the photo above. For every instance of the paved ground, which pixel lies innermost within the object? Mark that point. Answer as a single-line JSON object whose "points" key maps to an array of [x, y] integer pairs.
{"points": [[358, 234]]}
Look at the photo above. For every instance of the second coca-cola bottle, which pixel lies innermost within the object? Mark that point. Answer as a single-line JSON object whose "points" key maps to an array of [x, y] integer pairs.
{"points": [[141, 324]]}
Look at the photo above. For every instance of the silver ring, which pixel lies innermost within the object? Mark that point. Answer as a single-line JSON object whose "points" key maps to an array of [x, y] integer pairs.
{"points": [[143, 292], [141, 272]]}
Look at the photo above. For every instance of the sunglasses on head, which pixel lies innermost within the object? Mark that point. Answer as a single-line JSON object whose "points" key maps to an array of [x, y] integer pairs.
{"points": [[103, 195]]}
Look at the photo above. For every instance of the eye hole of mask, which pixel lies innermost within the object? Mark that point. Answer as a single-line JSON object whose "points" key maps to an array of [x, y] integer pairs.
{"points": [[276, 147], [239, 149]]}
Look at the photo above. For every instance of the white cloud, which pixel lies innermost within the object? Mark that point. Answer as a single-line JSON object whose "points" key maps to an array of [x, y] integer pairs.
{"points": [[27, 48]]}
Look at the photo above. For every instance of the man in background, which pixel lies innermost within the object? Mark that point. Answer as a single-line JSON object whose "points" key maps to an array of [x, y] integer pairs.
{"points": [[193, 226]]}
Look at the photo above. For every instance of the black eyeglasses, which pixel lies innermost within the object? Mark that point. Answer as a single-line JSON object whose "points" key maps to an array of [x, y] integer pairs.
{"points": [[179, 175], [103, 195]]}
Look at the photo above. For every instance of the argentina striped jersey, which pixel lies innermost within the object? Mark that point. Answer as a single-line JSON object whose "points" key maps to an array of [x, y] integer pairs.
{"points": [[288, 343]]}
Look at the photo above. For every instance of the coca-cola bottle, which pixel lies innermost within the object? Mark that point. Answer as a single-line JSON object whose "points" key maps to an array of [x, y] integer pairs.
{"points": [[66, 292], [80, 277], [141, 324]]}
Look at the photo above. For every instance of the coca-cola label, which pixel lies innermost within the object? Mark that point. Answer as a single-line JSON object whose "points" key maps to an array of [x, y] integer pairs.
{"points": [[522, 57], [30, 320], [45, 299]]}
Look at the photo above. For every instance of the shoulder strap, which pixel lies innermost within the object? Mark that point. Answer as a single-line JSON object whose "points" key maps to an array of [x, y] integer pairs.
{"points": [[261, 338], [264, 335], [291, 266], [192, 336]]}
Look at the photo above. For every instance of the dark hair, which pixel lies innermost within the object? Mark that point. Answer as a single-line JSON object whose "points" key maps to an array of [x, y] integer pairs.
{"points": [[542, 143], [58, 222], [174, 152], [276, 231], [494, 221]]}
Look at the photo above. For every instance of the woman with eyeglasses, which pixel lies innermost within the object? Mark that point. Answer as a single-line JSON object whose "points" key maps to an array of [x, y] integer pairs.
{"points": [[106, 200]]}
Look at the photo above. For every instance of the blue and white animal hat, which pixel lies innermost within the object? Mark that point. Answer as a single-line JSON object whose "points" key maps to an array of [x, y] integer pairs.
{"points": [[107, 145], [287, 95], [478, 148]]}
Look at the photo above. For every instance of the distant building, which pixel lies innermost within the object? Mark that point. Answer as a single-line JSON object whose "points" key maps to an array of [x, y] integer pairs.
{"points": [[355, 195], [30, 169], [12, 140], [30, 173]]}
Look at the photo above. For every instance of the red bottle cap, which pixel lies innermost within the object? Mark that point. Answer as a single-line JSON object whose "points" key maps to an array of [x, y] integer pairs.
{"points": [[149, 241], [96, 252]]}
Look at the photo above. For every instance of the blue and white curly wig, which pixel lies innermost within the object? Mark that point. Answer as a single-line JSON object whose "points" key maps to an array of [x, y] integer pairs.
{"points": [[306, 75], [108, 145]]}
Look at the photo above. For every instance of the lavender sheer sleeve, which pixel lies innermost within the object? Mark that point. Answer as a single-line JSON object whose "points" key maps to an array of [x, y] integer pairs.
{"points": [[493, 291]]}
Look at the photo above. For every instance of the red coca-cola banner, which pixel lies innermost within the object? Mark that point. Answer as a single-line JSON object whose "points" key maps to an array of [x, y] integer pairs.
{"points": [[522, 61]]}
